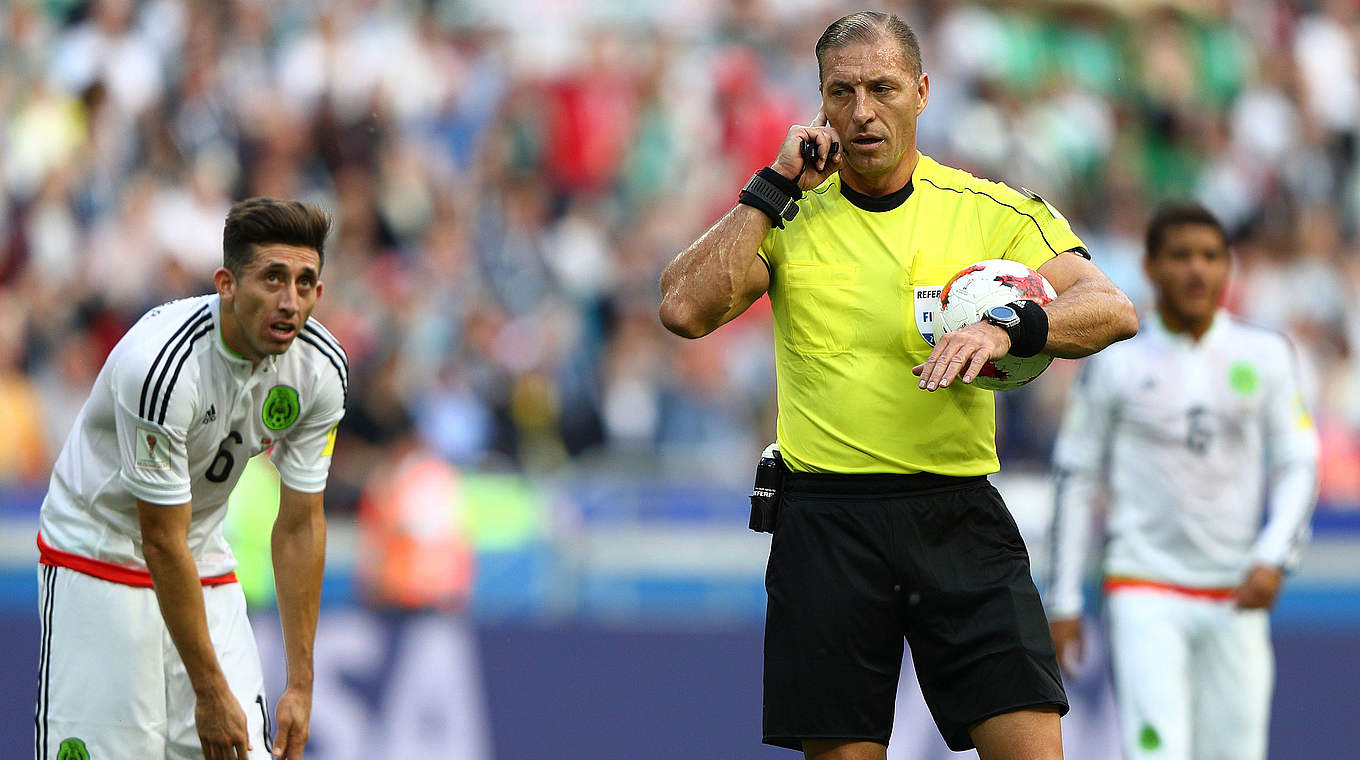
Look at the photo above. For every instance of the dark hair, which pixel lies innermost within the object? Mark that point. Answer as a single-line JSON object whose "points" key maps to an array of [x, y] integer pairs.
{"points": [[867, 26], [1174, 215], [256, 221]]}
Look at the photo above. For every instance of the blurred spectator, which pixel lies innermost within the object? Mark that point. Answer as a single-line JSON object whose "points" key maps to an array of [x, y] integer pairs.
{"points": [[415, 564], [414, 548], [507, 187], [23, 449]]}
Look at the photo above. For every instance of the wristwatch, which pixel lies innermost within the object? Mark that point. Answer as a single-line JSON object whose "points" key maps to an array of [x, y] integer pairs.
{"points": [[765, 195], [1004, 317]]}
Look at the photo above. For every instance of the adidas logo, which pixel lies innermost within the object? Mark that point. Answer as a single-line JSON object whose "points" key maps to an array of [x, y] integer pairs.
{"points": [[209, 415]]}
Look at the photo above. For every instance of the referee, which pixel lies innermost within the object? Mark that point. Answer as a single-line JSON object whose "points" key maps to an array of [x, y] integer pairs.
{"points": [[889, 528]]}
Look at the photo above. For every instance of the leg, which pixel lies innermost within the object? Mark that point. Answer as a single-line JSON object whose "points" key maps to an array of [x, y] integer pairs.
{"points": [[1020, 735], [979, 637], [1149, 647], [835, 749], [914, 735], [234, 644], [100, 685], [833, 642], [1234, 676]]}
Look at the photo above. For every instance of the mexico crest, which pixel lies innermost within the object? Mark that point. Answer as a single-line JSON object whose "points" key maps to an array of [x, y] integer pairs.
{"points": [[72, 749], [281, 407]]}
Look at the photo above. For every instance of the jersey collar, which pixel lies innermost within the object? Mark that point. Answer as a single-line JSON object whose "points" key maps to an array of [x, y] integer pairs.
{"points": [[877, 205], [1216, 328]]}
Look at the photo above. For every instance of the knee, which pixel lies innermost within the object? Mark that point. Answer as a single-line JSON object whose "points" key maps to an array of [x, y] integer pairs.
{"points": [[1030, 734]]}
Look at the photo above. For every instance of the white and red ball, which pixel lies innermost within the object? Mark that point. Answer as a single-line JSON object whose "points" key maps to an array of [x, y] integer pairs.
{"points": [[979, 287]]}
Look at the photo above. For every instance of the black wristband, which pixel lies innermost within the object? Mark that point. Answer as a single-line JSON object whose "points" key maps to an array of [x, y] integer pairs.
{"points": [[772, 193], [1030, 334], [786, 185]]}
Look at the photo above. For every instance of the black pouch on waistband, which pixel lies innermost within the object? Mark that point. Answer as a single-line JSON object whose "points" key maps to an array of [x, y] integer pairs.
{"points": [[766, 491]]}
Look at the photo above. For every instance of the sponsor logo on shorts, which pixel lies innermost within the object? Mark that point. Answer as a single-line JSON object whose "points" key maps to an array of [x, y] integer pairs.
{"points": [[153, 450], [72, 749]]}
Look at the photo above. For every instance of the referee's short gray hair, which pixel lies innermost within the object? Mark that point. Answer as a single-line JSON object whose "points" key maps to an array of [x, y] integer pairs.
{"points": [[867, 26]]}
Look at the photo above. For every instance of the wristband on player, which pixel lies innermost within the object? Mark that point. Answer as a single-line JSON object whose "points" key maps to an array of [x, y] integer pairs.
{"points": [[772, 193], [1025, 322]]}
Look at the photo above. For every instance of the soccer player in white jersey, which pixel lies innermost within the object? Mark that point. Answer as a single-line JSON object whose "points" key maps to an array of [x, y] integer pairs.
{"points": [[146, 648], [1198, 430]]}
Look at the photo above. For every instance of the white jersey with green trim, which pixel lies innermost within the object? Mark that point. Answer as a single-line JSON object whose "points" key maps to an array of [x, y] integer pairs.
{"points": [[1196, 441], [173, 417]]}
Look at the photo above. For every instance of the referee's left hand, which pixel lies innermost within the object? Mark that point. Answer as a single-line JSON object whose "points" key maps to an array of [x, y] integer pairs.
{"points": [[962, 353]]}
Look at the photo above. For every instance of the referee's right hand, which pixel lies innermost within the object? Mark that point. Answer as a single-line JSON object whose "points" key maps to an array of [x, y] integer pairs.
{"points": [[789, 162]]}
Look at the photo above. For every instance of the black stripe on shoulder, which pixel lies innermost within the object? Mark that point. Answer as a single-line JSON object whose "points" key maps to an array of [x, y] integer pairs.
{"points": [[1037, 226], [183, 357], [340, 369], [325, 336], [143, 409]]}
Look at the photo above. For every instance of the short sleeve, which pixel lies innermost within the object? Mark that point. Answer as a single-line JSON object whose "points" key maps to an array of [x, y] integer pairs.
{"points": [[1029, 230], [770, 247], [303, 457], [153, 408]]}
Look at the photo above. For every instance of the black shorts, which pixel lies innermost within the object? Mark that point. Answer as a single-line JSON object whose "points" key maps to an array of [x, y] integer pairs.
{"points": [[857, 563]]}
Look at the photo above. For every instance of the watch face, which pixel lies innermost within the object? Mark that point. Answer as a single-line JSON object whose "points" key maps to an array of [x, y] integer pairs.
{"points": [[1002, 313]]}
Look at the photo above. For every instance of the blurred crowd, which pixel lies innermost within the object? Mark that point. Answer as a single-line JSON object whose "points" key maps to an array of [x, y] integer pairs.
{"points": [[509, 178]]}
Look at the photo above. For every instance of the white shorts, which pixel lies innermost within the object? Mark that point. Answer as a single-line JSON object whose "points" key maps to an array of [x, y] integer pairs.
{"points": [[111, 682], [1193, 677]]}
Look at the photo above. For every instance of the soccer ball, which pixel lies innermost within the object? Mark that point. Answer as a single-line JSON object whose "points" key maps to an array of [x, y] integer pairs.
{"points": [[979, 287]]}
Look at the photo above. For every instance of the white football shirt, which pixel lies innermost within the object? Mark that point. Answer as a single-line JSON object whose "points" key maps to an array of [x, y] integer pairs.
{"points": [[173, 417], [1186, 435]]}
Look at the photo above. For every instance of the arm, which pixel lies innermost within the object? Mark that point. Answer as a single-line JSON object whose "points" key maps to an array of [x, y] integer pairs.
{"points": [[218, 715], [1089, 314], [719, 276], [1292, 452], [1074, 494], [1079, 455], [299, 552]]}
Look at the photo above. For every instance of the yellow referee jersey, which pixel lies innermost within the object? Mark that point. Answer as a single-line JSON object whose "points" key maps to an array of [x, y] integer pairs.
{"points": [[854, 286]]}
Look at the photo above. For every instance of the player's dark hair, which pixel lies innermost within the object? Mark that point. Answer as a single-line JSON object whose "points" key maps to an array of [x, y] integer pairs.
{"points": [[256, 221], [1174, 215], [868, 26]]}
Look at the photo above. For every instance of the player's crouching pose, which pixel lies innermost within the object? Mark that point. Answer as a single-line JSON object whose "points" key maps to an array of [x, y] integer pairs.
{"points": [[146, 648]]}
